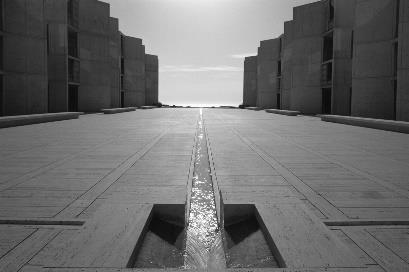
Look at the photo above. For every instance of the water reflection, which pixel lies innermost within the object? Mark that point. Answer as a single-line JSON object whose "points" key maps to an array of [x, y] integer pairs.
{"points": [[204, 246]]}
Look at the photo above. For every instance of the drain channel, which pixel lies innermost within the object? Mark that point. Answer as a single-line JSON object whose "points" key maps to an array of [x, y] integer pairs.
{"points": [[204, 245]]}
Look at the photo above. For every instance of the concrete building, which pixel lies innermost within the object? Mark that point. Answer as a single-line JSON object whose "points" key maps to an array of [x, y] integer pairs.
{"points": [[65, 55], [95, 70], [250, 82], [23, 65], [380, 63], [317, 59], [303, 37], [151, 80], [336, 69], [132, 72], [268, 72], [115, 62]]}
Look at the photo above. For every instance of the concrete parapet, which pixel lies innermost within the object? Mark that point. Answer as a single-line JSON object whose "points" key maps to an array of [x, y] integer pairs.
{"points": [[22, 120], [283, 112], [118, 110], [254, 108], [396, 126]]}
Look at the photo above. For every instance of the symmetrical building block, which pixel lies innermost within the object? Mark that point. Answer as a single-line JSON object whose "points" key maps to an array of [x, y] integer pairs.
{"points": [[67, 55]]}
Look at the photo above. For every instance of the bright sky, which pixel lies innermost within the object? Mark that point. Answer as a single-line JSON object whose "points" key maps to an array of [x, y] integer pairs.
{"points": [[201, 43]]}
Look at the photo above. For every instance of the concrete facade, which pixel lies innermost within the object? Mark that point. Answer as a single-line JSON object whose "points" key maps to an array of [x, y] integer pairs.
{"points": [[374, 67], [94, 37], [62, 20], [344, 57], [151, 80], [268, 61], [336, 69], [133, 80], [115, 62], [250, 82], [65, 55], [305, 42], [23, 64]]}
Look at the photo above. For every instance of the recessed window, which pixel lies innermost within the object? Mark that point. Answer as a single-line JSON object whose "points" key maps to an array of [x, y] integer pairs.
{"points": [[73, 44]]}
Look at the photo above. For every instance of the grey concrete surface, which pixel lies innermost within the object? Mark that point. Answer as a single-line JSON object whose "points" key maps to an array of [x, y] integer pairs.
{"points": [[108, 170], [389, 125], [283, 112], [118, 110], [22, 120]]}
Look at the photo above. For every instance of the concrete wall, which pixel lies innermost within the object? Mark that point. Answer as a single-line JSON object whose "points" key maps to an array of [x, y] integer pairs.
{"points": [[250, 82], [306, 57], [115, 62], [373, 61], [287, 53], [151, 80], [56, 20], [25, 66], [267, 71], [94, 38], [342, 61], [402, 110], [134, 74]]}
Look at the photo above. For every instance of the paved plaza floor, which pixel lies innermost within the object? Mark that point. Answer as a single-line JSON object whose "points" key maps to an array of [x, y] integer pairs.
{"points": [[76, 194]]}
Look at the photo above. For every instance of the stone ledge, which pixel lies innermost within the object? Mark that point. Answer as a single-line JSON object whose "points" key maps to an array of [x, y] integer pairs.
{"points": [[22, 120], [254, 108], [388, 125], [118, 110], [148, 107], [283, 112]]}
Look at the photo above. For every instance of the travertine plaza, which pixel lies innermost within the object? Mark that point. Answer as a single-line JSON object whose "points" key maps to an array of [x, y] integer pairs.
{"points": [[79, 194], [97, 176]]}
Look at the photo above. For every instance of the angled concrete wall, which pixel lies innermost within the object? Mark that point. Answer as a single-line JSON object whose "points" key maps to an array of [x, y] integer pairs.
{"points": [[342, 56], [269, 54], [94, 38], [57, 58], [306, 56], [373, 60], [151, 80], [134, 74], [287, 63], [115, 62], [250, 82], [402, 107], [24, 52]]}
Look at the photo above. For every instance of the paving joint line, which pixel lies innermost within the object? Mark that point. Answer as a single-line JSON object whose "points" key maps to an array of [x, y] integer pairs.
{"points": [[86, 199], [329, 210]]}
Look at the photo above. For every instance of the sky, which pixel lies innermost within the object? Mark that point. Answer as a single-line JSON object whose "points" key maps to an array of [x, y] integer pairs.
{"points": [[201, 44]]}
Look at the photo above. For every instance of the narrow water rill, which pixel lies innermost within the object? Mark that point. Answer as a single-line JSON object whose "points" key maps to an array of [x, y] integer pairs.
{"points": [[204, 245]]}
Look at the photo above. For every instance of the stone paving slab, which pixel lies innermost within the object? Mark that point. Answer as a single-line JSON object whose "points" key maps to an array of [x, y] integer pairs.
{"points": [[80, 169]]}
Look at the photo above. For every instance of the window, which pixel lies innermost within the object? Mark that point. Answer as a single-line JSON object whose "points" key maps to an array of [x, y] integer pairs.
{"points": [[1, 96], [72, 12], [279, 68], [1, 15], [397, 16], [1, 52], [326, 73], [73, 44], [328, 50], [326, 100], [72, 98], [395, 58], [73, 71]]}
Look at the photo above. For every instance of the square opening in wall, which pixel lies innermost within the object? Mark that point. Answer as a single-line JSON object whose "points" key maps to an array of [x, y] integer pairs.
{"points": [[162, 242], [247, 242]]}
